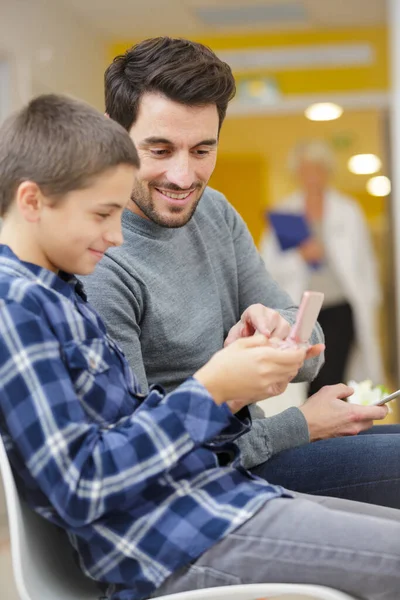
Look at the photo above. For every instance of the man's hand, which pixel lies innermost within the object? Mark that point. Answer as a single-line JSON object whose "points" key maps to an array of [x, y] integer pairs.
{"points": [[268, 322], [328, 416], [262, 319]]}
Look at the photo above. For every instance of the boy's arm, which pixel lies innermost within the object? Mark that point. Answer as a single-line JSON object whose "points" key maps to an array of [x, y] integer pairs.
{"points": [[85, 469]]}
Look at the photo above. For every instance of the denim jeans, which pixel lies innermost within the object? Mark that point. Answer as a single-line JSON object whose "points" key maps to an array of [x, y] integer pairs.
{"points": [[365, 467]]}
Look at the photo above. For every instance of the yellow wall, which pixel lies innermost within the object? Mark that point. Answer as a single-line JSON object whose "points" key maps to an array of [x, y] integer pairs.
{"points": [[243, 178], [370, 77], [271, 138]]}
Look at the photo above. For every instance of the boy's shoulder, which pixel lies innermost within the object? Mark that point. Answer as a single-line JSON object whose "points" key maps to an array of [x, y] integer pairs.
{"points": [[20, 285], [17, 289]]}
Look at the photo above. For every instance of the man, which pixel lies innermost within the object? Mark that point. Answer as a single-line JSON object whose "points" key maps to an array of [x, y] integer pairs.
{"points": [[189, 279]]}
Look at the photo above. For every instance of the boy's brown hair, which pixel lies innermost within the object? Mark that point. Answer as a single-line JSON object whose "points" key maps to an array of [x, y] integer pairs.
{"points": [[61, 144]]}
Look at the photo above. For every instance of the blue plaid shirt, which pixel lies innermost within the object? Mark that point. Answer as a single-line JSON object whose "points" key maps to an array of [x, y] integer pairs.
{"points": [[142, 484]]}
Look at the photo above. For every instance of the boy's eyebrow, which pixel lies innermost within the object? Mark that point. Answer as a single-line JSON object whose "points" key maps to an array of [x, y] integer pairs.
{"points": [[109, 205], [153, 140]]}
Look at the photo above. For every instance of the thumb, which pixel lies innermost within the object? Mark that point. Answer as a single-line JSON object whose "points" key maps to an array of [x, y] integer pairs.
{"points": [[254, 341], [373, 413]]}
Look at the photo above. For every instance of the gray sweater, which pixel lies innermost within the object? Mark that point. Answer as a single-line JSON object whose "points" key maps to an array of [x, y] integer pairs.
{"points": [[170, 296]]}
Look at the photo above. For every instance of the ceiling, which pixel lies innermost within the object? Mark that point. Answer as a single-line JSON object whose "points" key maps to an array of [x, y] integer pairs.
{"points": [[129, 19]]}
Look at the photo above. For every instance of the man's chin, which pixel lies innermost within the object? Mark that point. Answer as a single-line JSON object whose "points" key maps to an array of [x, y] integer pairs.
{"points": [[174, 221], [174, 217]]}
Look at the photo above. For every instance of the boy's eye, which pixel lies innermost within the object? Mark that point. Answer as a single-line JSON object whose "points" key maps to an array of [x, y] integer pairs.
{"points": [[103, 215]]}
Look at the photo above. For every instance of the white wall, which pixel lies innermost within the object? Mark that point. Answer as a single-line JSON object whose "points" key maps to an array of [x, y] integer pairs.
{"points": [[50, 50], [47, 49]]}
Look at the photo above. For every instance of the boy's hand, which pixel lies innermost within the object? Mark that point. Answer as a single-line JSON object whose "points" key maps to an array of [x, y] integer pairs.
{"points": [[328, 416], [249, 369]]}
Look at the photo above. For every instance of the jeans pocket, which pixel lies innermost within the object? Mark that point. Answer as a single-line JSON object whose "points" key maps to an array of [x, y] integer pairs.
{"points": [[207, 577]]}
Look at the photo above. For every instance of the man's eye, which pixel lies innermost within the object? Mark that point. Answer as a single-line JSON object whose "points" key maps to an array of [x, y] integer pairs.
{"points": [[202, 152], [159, 152], [103, 215]]}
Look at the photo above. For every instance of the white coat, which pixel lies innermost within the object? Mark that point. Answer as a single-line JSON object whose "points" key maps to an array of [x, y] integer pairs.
{"points": [[348, 247]]}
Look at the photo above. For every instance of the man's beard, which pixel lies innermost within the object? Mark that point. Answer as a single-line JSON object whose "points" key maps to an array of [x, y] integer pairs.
{"points": [[143, 199]]}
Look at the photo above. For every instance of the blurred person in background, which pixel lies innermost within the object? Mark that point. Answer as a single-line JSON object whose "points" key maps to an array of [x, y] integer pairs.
{"points": [[337, 259]]}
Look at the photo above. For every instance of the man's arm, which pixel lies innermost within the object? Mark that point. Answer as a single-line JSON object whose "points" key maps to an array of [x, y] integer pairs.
{"points": [[271, 435], [86, 469], [256, 286], [288, 429], [119, 302]]}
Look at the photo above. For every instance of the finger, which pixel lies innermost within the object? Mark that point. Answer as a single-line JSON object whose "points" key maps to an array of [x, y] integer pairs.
{"points": [[342, 391], [371, 413], [290, 357], [254, 341], [247, 329], [282, 329], [315, 350], [234, 334], [364, 425], [261, 318]]}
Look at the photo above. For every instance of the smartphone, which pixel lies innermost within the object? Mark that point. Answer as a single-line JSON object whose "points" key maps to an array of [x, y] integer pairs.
{"points": [[383, 401], [306, 318]]}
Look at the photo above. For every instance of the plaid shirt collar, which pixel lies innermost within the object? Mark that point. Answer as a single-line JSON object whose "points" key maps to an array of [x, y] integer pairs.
{"points": [[64, 283]]}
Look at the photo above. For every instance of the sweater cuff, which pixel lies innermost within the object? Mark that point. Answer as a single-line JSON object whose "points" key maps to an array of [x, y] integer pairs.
{"points": [[285, 430]]}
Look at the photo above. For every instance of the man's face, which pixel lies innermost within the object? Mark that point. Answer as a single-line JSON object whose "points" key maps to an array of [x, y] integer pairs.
{"points": [[177, 146], [74, 233]]}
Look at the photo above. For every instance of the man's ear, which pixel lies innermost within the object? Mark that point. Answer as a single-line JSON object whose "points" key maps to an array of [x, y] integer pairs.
{"points": [[29, 200]]}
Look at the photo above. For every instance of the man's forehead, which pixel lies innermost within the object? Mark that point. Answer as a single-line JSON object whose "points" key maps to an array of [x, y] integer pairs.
{"points": [[160, 117]]}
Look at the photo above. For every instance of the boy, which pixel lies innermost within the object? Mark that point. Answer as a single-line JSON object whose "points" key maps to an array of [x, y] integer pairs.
{"points": [[146, 492]]}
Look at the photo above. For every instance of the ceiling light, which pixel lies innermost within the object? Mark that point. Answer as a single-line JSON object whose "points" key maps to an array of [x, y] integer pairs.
{"points": [[323, 111], [364, 164], [379, 186]]}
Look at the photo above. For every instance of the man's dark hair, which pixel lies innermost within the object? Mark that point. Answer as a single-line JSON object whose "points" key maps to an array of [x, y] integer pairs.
{"points": [[181, 70], [61, 144]]}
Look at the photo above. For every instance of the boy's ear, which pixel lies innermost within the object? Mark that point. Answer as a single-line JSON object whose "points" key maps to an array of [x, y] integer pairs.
{"points": [[107, 115], [29, 200]]}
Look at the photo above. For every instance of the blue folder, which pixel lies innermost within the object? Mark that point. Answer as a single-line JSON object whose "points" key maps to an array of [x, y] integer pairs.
{"points": [[290, 229]]}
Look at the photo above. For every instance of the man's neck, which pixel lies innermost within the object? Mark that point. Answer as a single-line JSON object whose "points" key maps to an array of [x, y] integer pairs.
{"points": [[134, 208]]}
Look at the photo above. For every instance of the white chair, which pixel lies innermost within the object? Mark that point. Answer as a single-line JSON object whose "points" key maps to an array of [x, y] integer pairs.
{"points": [[44, 567]]}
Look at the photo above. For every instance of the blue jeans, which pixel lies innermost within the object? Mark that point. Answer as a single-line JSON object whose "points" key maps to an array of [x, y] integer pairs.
{"points": [[365, 467]]}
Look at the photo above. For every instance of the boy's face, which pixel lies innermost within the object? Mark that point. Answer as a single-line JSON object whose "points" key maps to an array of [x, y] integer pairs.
{"points": [[177, 147], [74, 233]]}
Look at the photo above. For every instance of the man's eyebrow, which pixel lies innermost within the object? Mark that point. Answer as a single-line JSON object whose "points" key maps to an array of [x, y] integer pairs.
{"points": [[210, 142], [153, 140]]}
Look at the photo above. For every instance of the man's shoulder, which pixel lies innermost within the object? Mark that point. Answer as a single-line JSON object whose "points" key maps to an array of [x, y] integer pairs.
{"points": [[214, 206], [213, 200]]}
